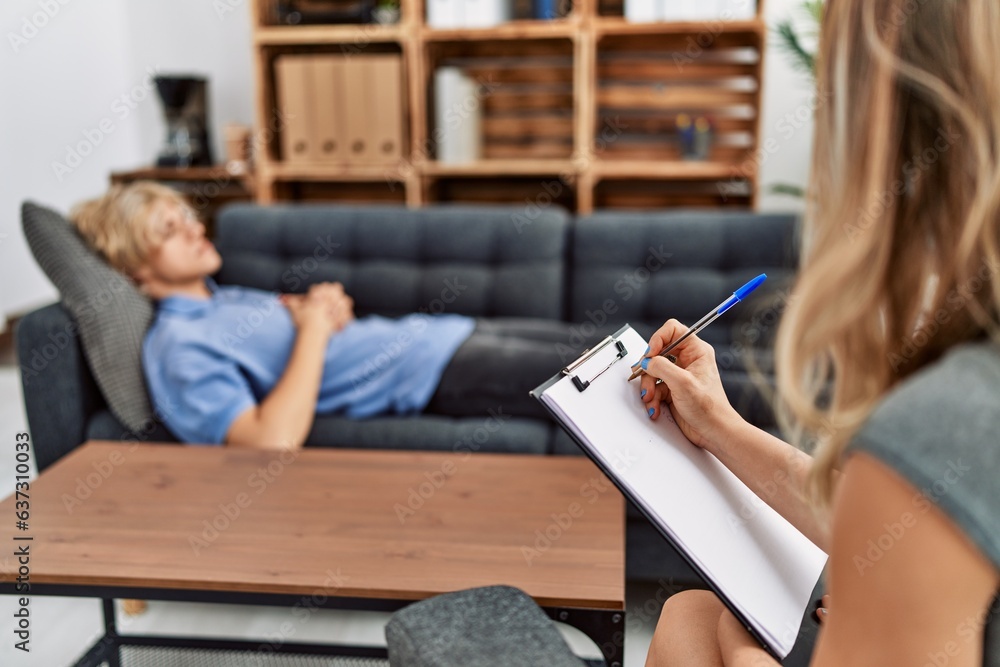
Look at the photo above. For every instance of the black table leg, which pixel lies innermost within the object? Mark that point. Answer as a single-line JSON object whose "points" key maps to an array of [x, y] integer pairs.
{"points": [[111, 632]]}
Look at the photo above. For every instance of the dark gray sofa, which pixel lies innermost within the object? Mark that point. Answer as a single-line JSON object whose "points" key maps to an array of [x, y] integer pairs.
{"points": [[492, 261]]}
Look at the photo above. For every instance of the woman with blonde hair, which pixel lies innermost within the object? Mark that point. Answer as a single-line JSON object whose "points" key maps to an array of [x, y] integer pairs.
{"points": [[888, 355]]}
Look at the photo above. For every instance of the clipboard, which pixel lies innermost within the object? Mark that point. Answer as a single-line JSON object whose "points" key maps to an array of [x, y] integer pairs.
{"points": [[589, 389]]}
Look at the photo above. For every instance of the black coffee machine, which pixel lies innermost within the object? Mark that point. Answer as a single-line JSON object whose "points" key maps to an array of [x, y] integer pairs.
{"points": [[185, 105]]}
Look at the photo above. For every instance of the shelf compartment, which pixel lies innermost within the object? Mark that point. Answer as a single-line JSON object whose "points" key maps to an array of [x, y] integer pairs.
{"points": [[500, 168], [668, 169], [280, 171], [353, 192], [615, 9], [522, 29], [276, 124], [358, 35], [638, 194], [608, 25], [525, 100], [520, 190], [644, 87]]}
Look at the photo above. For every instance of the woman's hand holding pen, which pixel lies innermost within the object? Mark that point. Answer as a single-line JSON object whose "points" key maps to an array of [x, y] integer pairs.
{"points": [[691, 389], [325, 307]]}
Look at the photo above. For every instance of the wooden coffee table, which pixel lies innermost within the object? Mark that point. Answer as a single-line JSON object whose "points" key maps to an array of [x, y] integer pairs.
{"points": [[345, 529]]}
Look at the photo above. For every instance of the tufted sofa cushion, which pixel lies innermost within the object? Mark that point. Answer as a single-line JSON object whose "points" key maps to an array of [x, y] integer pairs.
{"points": [[649, 267], [460, 259], [646, 267]]}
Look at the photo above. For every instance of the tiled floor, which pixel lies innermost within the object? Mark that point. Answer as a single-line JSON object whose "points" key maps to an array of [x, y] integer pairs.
{"points": [[63, 627]]}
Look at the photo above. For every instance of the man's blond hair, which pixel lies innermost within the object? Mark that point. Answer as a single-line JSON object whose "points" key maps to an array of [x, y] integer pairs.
{"points": [[118, 224]]}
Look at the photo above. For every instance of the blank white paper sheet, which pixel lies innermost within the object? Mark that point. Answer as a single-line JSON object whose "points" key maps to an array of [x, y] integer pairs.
{"points": [[763, 565]]}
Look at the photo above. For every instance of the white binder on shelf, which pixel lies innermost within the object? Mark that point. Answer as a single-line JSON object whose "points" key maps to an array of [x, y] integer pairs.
{"points": [[738, 10], [457, 116], [643, 11], [485, 13], [445, 13], [681, 10], [329, 96], [760, 565], [293, 83]]}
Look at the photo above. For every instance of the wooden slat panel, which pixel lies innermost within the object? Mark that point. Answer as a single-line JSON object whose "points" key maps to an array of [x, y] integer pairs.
{"points": [[667, 169], [666, 123], [643, 97], [517, 29], [690, 46], [501, 168], [348, 192], [506, 190], [621, 150], [503, 99], [505, 74], [535, 48], [500, 127], [644, 69], [652, 200], [611, 7], [496, 151], [328, 34], [653, 194]]}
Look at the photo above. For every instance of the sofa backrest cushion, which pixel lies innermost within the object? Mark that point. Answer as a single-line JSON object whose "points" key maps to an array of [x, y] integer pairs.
{"points": [[647, 267], [109, 312], [473, 260]]}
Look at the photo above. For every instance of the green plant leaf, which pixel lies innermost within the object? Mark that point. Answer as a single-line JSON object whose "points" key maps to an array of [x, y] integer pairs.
{"points": [[788, 189], [789, 41]]}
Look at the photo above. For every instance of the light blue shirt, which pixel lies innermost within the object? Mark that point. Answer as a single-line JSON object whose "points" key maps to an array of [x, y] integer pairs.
{"points": [[209, 360]]}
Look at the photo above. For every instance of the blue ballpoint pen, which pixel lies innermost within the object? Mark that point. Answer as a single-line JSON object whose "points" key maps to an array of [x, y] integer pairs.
{"points": [[737, 296]]}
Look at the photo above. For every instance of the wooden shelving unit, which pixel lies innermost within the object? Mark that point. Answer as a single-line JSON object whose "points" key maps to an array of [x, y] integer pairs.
{"points": [[583, 106]]}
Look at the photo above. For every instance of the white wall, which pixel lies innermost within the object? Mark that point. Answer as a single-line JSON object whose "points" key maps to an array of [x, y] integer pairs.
{"points": [[73, 71], [70, 74], [787, 127], [208, 38], [59, 83]]}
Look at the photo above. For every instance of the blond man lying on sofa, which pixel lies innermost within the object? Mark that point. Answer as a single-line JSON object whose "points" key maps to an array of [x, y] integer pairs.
{"points": [[216, 383]]}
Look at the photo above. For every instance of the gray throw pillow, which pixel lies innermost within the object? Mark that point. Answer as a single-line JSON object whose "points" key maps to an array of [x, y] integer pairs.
{"points": [[111, 314]]}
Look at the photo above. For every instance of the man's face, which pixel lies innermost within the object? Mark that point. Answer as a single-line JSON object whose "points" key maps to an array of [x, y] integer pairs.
{"points": [[184, 253]]}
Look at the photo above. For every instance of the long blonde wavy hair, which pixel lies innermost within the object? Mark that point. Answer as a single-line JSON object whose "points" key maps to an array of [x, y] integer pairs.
{"points": [[900, 257]]}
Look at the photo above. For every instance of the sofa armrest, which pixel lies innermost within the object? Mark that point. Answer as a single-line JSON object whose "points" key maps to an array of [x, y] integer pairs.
{"points": [[60, 394]]}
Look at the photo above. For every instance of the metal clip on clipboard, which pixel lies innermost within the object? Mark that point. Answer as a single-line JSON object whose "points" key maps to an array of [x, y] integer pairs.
{"points": [[580, 384]]}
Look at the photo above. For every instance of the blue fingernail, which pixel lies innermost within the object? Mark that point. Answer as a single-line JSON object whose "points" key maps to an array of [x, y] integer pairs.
{"points": [[647, 350], [651, 411], [643, 394], [645, 363]]}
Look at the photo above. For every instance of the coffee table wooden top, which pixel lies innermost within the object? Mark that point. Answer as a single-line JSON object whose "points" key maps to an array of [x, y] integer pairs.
{"points": [[350, 523]]}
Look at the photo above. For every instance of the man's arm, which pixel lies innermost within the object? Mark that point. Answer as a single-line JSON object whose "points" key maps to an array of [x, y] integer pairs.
{"points": [[283, 419]]}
